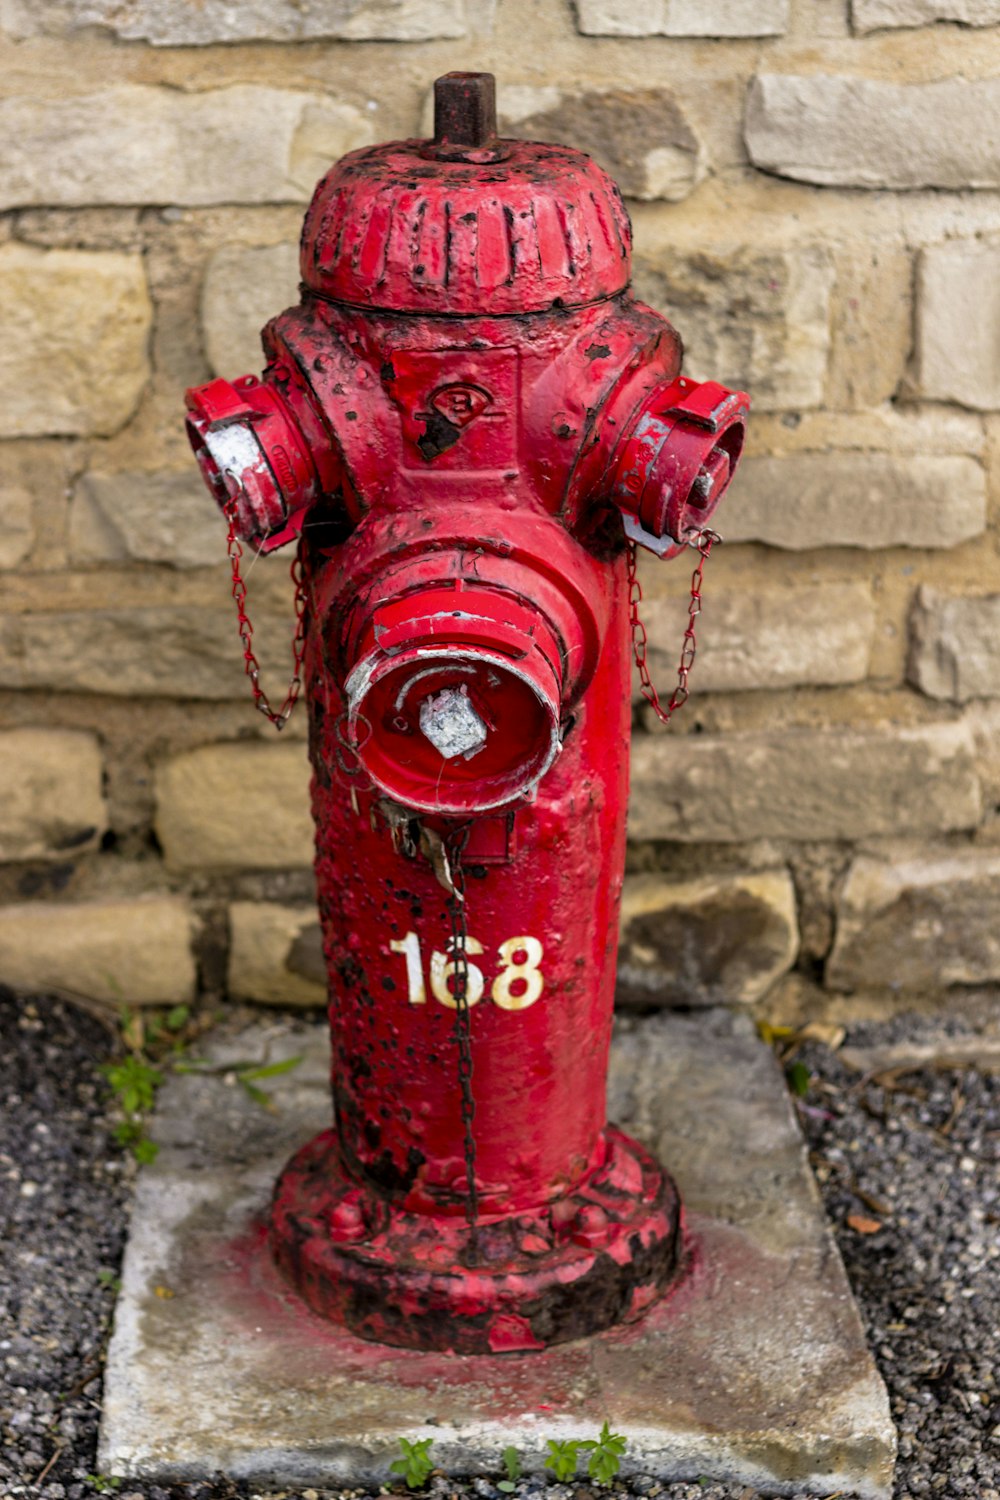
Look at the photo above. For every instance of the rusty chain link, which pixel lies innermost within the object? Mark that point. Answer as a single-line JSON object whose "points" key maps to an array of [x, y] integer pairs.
{"points": [[458, 945], [261, 702], [702, 542]]}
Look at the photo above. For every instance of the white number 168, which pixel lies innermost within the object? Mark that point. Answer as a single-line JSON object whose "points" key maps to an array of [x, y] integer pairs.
{"points": [[526, 949]]}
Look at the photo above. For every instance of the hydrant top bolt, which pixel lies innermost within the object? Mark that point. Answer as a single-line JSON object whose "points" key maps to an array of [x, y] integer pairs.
{"points": [[452, 725], [465, 116]]}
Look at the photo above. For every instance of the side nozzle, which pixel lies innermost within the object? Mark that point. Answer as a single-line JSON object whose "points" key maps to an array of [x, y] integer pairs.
{"points": [[677, 460], [253, 456]]}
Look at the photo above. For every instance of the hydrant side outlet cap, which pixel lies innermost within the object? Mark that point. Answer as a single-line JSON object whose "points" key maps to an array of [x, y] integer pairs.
{"points": [[392, 227]]}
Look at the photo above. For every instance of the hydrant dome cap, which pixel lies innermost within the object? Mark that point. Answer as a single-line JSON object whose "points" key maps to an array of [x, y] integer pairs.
{"points": [[389, 227]]}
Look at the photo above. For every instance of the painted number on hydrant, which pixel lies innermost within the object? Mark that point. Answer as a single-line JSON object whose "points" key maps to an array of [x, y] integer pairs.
{"points": [[518, 984]]}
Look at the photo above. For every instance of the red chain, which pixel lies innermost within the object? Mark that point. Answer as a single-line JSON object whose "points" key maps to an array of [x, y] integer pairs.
{"points": [[703, 542], [260, 699]]}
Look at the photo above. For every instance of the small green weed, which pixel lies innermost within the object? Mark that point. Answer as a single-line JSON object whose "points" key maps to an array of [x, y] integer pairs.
{"points": [[163, 1029], [110, 1280], [247, 1075], [156, 1044], [415, 1465], [605, 1455], [104, 1483], [562, 1457], [512, 1463], [134, 1082], [798, 1076]]}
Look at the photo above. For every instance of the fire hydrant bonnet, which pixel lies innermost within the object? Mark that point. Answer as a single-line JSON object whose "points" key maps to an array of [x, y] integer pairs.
{"points": [[545, 227]]}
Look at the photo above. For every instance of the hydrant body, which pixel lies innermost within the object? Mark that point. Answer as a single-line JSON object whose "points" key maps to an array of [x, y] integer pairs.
{"points": [[457, 419]]}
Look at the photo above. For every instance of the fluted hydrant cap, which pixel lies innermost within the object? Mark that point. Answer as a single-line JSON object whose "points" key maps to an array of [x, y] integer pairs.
{"points": [[466, 222]]}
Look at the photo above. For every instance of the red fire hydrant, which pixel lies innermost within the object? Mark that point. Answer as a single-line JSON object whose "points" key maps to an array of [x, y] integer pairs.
{"points": [[456, 421]]}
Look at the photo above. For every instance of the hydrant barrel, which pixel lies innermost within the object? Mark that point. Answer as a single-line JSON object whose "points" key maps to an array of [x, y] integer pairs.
{"points": [[541, 981], [469, 424]]}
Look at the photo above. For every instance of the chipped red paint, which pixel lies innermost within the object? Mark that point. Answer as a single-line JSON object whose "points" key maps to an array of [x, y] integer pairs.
{"points": [[467, 403]]}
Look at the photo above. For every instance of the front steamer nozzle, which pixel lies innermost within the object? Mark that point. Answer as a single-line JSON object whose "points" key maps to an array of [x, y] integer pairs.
{"points": [[454, 704]]}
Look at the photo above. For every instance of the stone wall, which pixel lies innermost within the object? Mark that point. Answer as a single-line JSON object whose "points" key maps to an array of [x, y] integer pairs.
{"points": [[815, 188]]}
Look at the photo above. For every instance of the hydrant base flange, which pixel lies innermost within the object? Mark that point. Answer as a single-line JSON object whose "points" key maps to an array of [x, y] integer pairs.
{"points": [[596, 1257]]}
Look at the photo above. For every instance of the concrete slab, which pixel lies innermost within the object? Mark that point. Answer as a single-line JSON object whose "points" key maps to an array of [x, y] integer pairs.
{"points": [[755, 1368]]}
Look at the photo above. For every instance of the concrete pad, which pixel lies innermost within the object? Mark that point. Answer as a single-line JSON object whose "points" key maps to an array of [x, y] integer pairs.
{"points": [[754, 1369]]}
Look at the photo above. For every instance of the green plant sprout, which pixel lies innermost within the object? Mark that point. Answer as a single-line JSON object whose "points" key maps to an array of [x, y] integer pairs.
{"points": [[603, 1461], [134, 1082], [156, 1044], [605, 1454], [562, 1457], [798, 1076], [415, 1464], [512, 1463], [247, 1075]]}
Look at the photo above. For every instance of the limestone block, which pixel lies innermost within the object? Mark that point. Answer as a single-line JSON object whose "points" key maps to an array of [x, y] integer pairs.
{"points": [[244, 288], [275, 954], [818, 636], [51, 799], [17, 529], [941, 431], [855, 499], [918, 923], [871, 325], [958, 323], [721, 940], [753, 317], [169, 652], [804, 784], [74, 358], [178, 23], [640, 136], [840, 131], [241, 806], [955, 646], [135, 143], [874, 15], [126, 952], [983, 718], [682, 17], [134, 516]]}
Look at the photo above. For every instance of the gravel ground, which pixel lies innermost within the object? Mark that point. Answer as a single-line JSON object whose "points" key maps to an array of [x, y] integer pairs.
{"points": [[908, 1171]]}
